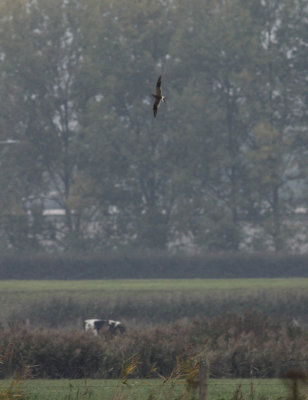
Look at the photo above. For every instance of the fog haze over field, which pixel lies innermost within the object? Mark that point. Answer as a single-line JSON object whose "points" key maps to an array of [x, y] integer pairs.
{"points": [[86, 167]]}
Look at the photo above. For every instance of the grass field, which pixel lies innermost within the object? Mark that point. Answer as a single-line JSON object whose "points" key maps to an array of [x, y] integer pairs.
{"points": [[148, 285], [162, 298], [219, 389]]}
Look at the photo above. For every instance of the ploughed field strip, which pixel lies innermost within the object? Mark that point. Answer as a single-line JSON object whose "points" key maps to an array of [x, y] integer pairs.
{"points": [[16, 297]]}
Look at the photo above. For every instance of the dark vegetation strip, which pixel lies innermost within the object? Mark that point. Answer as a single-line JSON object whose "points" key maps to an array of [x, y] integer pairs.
{"points": [[152, 265], [236, 346]]}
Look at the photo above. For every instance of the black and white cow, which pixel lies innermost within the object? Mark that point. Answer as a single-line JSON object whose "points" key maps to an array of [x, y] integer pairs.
{"points": [[95, 325]]}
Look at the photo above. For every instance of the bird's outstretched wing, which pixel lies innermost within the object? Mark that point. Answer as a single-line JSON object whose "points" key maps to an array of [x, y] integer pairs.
{"points": [[158, 86], [155, 106]]}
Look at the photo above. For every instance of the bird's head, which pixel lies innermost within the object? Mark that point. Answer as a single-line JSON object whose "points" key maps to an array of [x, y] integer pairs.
{"points": [[163, 98]]}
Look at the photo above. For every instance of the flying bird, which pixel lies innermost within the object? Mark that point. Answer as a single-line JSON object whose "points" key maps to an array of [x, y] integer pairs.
{"points": [[158, 96]]}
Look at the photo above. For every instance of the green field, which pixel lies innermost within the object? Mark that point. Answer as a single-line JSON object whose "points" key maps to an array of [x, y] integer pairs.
{"points": [[148, 285], [219, 389], [161, 299]]}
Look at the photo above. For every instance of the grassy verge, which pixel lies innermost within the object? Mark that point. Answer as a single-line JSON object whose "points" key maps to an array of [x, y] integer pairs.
{"points": [[219, 389]]}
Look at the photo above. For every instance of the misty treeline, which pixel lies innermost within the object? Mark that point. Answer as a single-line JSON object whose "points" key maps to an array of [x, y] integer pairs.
{"points": [[224, 164]]}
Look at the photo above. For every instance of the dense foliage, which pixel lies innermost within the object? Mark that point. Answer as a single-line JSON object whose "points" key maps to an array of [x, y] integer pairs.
{"points": [[237, 346], [222, 167]]}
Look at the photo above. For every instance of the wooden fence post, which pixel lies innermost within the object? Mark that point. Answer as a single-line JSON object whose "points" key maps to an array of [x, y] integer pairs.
{"points": [[203, 378]]}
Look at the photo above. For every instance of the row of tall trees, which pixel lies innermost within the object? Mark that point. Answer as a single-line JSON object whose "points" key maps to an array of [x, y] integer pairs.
{"points": [[223, 165]]}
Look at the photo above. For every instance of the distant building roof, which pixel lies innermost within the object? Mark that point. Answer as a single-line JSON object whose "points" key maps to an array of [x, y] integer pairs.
{"points": [[54, 212]]}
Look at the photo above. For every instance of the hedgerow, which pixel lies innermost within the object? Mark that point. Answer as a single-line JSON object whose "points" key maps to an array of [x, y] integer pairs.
{"points": [[151, 264], [236, 346]]}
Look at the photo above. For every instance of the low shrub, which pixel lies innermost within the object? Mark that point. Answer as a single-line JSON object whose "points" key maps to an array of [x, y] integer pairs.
{"points": [[236, 345]]}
